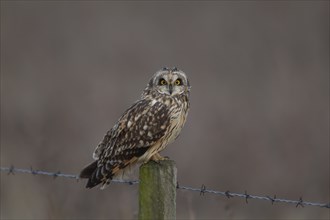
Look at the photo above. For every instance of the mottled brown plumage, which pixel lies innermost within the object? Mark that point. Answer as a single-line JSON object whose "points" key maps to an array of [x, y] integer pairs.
{"points": [[144, 129]]}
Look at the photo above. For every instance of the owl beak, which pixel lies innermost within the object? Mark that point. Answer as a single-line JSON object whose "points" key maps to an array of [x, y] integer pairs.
{"points": [[170, 88]]}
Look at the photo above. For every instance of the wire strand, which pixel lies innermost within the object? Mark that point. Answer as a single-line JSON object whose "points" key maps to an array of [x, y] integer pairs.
{"points": [[202, 190]]}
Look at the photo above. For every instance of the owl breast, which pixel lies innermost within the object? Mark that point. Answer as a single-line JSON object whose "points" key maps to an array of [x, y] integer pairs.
{"points": [[179, 112]]}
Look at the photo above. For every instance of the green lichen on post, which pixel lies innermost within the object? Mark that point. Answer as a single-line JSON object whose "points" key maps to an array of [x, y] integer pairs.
{"points": [[157, 190]]}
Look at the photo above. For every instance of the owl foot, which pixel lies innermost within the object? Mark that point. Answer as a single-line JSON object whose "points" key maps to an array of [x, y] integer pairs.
{"points": [[156, 157]]}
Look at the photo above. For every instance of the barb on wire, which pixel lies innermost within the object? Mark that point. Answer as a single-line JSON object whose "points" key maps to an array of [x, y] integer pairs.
{"points": [[300, 203], [227, 193], [247, 196], [272, 199], [11, 170], [202, 190]]}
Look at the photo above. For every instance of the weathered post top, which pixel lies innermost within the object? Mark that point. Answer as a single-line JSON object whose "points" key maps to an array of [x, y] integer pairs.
{"points": [[157, 190]]}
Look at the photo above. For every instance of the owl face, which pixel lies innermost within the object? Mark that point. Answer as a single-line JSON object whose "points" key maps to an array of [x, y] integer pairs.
{"points": [[170, 82]]}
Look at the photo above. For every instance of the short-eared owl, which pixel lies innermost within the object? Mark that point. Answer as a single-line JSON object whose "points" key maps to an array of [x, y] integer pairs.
{"points": [[144, 129]]}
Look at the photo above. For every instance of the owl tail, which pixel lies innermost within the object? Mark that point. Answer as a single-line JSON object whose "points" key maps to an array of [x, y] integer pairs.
{"points": [[89, 172]]}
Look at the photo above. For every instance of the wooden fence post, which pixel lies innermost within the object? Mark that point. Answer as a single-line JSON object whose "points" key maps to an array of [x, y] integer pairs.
{"points": [[157, 190]]}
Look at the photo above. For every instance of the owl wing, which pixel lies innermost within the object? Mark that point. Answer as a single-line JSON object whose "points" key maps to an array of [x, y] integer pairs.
{"points": [[140, 127]]}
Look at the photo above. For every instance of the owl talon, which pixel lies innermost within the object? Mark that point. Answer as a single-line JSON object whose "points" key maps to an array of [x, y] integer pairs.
{"points": [[156, 157]]}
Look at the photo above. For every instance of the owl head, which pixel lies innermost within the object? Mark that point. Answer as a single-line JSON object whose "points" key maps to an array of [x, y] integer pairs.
{"points": [[169, 82]]}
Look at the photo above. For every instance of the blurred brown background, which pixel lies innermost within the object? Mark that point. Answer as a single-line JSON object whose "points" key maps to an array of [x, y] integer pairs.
{"points": [[259, 118]]}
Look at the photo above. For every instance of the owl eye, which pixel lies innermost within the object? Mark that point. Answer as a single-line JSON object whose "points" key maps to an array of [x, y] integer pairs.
{"points": [[162, 82], [178, 82]]}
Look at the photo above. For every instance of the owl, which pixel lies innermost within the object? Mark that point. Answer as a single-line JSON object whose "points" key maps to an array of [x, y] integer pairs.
{"points": [[144, 129]]}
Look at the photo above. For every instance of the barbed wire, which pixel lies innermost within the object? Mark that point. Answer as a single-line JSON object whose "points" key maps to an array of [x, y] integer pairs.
{"points": [[202, 190]]}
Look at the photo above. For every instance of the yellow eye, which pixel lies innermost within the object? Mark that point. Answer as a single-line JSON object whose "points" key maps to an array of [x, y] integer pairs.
{"points": [[178, 82], [162, 82]]}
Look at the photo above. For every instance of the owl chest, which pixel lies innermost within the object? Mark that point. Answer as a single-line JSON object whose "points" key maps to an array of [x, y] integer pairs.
{"points": [[177, 122]]}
